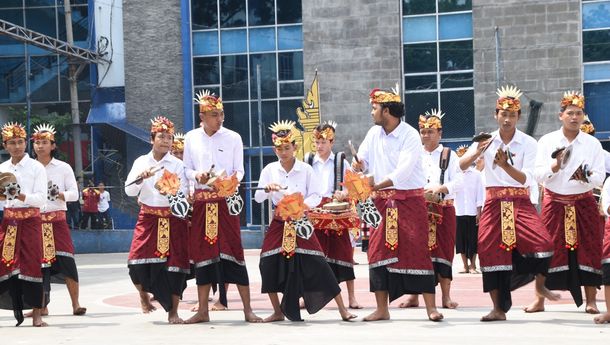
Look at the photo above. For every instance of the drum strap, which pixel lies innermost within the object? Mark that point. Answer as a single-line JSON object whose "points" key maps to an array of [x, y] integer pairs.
{"points": [[339, 165]]}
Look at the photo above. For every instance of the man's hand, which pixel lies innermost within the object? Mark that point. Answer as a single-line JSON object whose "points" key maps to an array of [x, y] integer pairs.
{"points": [[272, 187], [357, 166], [202, 177], [501, 159], [483, 146], [61, 196], [144, 175], [580, 175], [340, 195], [556, 165]]}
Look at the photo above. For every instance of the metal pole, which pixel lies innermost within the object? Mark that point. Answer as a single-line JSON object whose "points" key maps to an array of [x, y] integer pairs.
{"points": [[497, 37], [260, 140], [28, 97], [73, 78]]}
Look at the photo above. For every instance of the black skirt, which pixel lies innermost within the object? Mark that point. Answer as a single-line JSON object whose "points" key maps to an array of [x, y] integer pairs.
{"points": [[606, 274], [62, 267], [398, 284], [467, 235], [17, 295], [572, 279], [156, 279], [342, 273], [303, 275], [222, 272]]}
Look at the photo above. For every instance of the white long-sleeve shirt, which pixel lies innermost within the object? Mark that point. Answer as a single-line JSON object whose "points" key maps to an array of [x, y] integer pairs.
{"points": [[472, 194], [606, 196], [299, 179], [61, 174], [586, 149], [395, 156], [607, 161], [224, 150], [324, 171], [453, 175], [146, 192], [523, 148], [32, 178]]}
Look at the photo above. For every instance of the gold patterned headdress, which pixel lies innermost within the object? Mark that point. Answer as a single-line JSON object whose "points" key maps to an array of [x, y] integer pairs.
{"points": [[508, 98], [461, 150], [431, 119], [178, 144], [13, 130], [573, 98], [208, 101], [327, 133], [587, 126], [283, 132], [44, 131], [161, 124], [383, 96]]}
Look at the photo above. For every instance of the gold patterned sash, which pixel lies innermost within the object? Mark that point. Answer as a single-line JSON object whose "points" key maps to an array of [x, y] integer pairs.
{"points": [[206, 195], [211, 222], [289, 239], [8, 249], [163, 233], [432, 235], [570, 228], [391, 228], [48, 243], [509, 235], [163, 212]]}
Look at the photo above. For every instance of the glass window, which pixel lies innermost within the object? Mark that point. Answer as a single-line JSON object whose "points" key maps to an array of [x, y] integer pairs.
{"points": [[43, 82], [418, 103], [288, 109], [290, 65], [262, 39], [420, 82], [204, 14], [419, 29], [418, 6], [41, 20], [234, 77], [268, 75], [83, 86], [596, 95], [291, 89], [269, 116], [73, 2], [596, 15], [288, 11], [236, 119], [290, 37], [206, 70], [459, 107], [420, 57], [15, 17], [30, 3], [12, 87], [232, 13], [455, 26], [456, 80], [261, 12], [455, 55], [80, 23], [10, 3], [597, 72], [596, 45], [233, 41], [454, 5], [205, 43]]}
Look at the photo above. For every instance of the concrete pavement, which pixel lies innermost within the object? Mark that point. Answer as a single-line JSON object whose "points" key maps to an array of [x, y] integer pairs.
{"points": [[114, 316]]}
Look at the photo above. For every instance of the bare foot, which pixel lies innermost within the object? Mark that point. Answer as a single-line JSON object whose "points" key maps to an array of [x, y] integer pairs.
{"points": [[411, 302], [346, 315], [377, 316], [548, 294], [78, 311], [535, 307], [474, 270], [195, 308], [603, 318], [45, 312], [591, 308], [40, 324], [494, 315], [198, 318], [354, 305], [274, 317], [174, 320], [251, 317], [147, 307], [449, 304], [435, 316], [37, 319], [218, 307], [465, 270]]}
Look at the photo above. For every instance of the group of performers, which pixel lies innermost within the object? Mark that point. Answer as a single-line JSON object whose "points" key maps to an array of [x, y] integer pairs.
{"points": [[402, 184]]}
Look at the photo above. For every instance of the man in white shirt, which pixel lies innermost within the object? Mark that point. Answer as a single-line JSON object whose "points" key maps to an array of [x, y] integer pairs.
{"points": [[103, 207], [443, 180], [569, 209], [215, 237], [513, 242], [468, 204], [20, 233], [605, 317], [336, 242], [58, 249], [398, 255], [292, 263], [158, 258]]}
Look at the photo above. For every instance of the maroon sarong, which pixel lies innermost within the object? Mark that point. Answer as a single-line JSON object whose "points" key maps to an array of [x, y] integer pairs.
{"points": [[606, 248], [410, 253], [336, 243], [272, 243], [147, 247], [444, 250], [588, 245], [56, 222], [210, 211], [532, 238], [21, 244]]}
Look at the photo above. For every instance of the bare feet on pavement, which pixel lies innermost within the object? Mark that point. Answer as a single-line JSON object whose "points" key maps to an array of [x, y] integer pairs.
{"points": [[274, 317], [494, 315], [377, 315], [198, 318]]}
